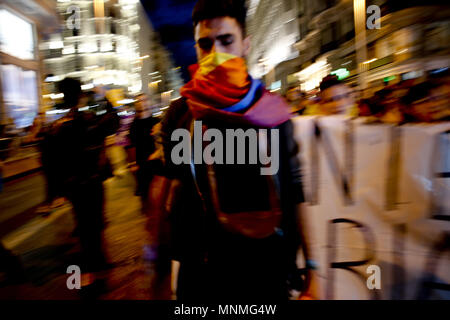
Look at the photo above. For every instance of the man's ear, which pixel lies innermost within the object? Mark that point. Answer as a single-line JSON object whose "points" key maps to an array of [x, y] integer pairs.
{"points": [[247, 45]]}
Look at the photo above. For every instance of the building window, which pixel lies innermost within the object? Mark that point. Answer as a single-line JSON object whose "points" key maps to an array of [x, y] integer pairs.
{"points": [[20, 94], [19, 43]]}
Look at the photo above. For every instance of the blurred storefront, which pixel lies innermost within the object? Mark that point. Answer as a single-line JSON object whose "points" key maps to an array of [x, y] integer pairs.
{"points": [[24, 24]]}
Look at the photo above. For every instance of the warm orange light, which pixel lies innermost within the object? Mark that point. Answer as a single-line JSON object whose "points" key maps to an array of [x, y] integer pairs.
{"points": [[360, 14], [99, 8]]}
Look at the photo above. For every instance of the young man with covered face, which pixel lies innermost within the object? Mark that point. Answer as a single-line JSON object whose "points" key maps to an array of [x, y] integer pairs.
{"points": [[226, 234]]}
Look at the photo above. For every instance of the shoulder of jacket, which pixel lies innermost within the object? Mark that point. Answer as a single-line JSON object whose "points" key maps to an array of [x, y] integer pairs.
{"points": [[178, 106], [177, 109], [286, 126]]}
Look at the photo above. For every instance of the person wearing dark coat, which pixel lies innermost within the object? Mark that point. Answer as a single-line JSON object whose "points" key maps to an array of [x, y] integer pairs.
{"points": [[81, 152], [141, 138]]}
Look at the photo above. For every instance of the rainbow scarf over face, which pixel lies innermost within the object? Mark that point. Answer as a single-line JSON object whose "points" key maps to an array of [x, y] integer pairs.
{"points": [[219, 80]]}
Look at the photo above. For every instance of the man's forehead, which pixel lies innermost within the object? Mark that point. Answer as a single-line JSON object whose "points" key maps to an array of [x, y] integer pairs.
{"points": [[216, 27], [336, 89]]}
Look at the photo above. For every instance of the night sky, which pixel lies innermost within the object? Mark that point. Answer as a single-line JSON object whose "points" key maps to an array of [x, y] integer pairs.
{"points": [[172, 19]]}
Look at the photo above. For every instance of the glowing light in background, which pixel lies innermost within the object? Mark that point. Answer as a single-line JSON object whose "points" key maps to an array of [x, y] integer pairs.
{"points": [[341, 73], [311, 76], [19, 43], [20, 94]]}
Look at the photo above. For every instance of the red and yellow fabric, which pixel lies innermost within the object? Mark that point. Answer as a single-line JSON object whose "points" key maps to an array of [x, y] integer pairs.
{"points": [[218, 80]]}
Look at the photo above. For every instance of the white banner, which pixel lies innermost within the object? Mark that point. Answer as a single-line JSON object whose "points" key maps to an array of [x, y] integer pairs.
{"points": [[378, 195]]}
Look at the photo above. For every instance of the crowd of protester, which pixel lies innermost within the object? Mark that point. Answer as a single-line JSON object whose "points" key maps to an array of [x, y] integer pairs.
{"points": [[407, 101], [234, 232], [75, 162], [77, 140]]}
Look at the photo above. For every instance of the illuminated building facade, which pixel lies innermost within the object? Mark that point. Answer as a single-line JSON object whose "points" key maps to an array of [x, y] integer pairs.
{"points": [[23, 26], [101, 43], [165, 81], [273, 26], [413, 38], [108, 43]]}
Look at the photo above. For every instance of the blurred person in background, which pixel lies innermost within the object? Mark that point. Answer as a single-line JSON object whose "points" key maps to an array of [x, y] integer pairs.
{"points": [[365, 108], [12, 267], [385, 106], [336, 97], [141, 138], [51, 167], [37, 129], [297, 99], [10, 129], [124, 149], [80, 137], [220, 259], [312, 104], [428, 102]]}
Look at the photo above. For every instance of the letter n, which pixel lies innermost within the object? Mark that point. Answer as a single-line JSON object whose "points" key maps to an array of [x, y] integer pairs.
{"points": [[343, 175]]}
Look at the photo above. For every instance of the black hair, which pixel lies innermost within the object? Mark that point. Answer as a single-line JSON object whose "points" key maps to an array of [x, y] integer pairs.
{"points": [[383, 93], [210, 9], [419, 92], [439, 73], [329, 81], [71, 88]]}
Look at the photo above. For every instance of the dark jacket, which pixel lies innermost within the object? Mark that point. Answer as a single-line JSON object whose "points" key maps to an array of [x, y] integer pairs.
{"points": [[140, 136], [80, 145], [199, 240]]}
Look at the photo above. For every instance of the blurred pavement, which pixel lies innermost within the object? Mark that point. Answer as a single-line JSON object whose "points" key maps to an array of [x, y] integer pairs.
{"points": [[46, 246]]}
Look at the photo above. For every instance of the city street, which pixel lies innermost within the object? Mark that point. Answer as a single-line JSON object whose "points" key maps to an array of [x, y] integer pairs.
{"points": [[46, 246], [214, 150]]}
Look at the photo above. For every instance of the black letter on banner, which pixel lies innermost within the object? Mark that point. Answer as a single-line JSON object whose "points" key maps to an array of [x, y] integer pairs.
{"points": [[398, 270], [429, 282], [440, 170], [391, 196], [343, 178], [314, 196], [347, 265]]}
